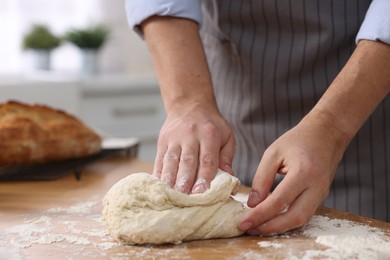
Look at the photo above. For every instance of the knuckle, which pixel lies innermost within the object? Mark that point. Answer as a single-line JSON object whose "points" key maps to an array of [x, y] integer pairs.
{"points": [[207, 160], [170, 157], [210, 130], [300, 220], [188, 159], [227, 159], [306, 167], [191, 127], [279, 204], [270, 152]]}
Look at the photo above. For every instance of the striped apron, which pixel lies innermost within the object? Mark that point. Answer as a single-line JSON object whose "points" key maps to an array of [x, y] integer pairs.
{"points": [[271, 60]]}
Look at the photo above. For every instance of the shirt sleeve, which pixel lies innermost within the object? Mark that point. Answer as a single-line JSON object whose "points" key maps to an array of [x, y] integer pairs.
{"points": [[376, 24], [139, 10]]}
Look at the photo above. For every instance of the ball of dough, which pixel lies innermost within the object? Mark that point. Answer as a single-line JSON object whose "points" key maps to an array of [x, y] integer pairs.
{"points": [[141, 209]]}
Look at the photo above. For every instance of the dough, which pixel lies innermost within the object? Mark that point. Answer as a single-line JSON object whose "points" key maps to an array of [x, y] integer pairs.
{"points": [[141, 209]]}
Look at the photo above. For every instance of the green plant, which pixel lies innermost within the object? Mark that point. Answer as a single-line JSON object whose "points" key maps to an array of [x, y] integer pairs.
{"points": [[40, 37], [92, 37]]}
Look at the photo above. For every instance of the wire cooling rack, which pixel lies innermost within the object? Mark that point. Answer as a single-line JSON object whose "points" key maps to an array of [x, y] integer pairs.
{"points": [[54, 170]]}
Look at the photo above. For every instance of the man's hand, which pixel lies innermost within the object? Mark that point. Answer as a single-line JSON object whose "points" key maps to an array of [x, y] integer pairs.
{"points": [[193, 143], [309, 153], [308, 156]]}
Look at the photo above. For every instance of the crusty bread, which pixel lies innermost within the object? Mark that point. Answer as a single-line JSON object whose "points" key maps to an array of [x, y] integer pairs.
{"points": [[31, 134]]}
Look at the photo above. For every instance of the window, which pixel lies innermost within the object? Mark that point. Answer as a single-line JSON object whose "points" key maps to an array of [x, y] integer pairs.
{"points": [[17, 17]]}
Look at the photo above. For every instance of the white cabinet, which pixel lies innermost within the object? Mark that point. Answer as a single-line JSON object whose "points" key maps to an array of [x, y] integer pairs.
{"points": [[124, 107], [123, 114]]}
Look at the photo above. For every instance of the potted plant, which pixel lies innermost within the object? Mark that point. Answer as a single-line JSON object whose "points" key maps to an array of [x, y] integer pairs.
{"points": [[89, 40], [41, 41]]}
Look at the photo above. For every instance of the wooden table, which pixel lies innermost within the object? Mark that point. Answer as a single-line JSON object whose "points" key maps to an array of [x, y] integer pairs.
{"points": [[61, 219]]}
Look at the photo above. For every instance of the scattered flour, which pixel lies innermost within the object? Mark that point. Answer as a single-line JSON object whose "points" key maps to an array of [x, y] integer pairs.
{"points": [[79, 209], [270, 244], [66, 229], [9, 253], [346, 239], [62, 227], [58, 225]]}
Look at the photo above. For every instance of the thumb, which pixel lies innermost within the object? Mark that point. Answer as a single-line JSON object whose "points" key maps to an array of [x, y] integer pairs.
{"points": [[226, 155]]}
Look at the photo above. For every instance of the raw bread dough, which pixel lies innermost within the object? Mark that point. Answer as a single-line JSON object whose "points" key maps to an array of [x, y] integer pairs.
{"points": [[141, 209]]}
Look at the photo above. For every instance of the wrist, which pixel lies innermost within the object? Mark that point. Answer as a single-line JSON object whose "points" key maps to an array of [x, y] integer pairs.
{"points": [[179, 95], [327, 128], [355, 93], [188, 106]]}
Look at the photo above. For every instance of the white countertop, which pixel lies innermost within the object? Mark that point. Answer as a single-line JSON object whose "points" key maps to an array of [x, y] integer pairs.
{"points": [[98, 81]]}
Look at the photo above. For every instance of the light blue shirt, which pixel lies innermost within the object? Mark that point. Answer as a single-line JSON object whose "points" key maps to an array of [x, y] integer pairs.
{"points": [[375, 27], [139, 10], [376, 24]]}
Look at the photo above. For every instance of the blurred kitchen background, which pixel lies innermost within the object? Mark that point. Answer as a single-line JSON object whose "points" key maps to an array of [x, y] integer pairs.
{"points": [[111, 88]]}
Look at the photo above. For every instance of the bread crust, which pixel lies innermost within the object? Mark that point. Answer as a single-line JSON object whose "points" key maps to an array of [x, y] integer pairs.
{"points": [[31, 134]]}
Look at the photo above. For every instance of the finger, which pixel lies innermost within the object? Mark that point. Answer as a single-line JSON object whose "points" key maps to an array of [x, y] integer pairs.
{"points": [[264, 178], [208, 159], [226, 155], [170, 165], [297, 215], [187, 168], [158, 161], [158, 164], [278, 201]]}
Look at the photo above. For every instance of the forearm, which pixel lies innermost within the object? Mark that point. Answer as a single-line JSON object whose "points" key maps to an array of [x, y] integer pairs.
{"points": [[194, 140], [361, 85], [179, 62]]}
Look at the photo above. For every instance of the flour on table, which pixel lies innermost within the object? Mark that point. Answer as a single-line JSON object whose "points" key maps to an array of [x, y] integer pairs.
{"points": [[346, 239], [62, 226], [79, 209], [141, 209], [270, 244]]}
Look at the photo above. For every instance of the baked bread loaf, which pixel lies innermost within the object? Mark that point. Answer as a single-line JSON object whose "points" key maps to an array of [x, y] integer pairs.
{"points": [[31, 134]]}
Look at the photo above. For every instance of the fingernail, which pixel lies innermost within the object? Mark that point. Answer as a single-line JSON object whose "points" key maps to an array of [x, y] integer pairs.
{"points": [[181, 185], [244, 226], [253, 232], [200, 186], [253, 198]]}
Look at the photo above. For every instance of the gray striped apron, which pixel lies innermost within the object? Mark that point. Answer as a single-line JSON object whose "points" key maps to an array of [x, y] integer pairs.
{"points": [[271, 61]]}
